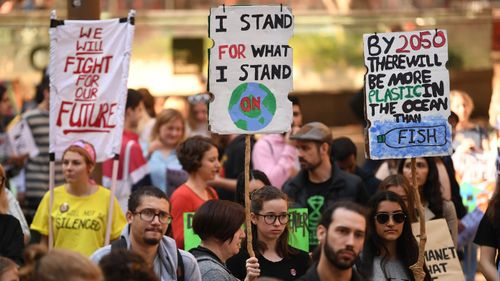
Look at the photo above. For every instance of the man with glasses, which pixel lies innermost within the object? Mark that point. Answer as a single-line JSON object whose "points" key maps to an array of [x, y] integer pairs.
{"points": [[148, 218]]}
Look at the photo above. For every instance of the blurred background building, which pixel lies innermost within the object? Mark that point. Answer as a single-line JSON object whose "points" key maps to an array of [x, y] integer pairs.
{"points": [[170, 45]]}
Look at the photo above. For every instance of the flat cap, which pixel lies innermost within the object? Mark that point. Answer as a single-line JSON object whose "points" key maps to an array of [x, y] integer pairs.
{"points": [[314, 131]]}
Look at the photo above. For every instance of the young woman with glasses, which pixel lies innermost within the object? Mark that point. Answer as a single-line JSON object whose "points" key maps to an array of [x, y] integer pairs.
{"points": [[269, 215], [80, 209], [390, 247]]}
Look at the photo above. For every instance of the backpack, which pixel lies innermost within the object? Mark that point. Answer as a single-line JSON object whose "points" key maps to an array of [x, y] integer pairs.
{"points": [[122, 244]]}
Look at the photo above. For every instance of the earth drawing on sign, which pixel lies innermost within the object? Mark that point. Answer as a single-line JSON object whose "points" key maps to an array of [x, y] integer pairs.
{"points": [[252, 106]]}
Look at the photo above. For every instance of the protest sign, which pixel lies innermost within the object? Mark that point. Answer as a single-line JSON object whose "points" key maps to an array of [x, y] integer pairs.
{"points": [[88, 83], [191, 240], [298, 238], [21, 139], [407, 94], [299, 233], [440, 255], [250, 69]]}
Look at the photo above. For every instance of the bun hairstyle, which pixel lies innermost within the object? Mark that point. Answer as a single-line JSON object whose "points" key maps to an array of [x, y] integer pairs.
{"points": [[57, 265]]}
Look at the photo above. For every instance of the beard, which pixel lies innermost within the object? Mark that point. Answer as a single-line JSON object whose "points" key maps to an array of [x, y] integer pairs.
{"points": [[334, 256], [308, 166], [151, 241]]}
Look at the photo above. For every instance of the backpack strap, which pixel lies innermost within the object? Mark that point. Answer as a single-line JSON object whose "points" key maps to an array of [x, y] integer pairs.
{"points": [[119, 244], [180, 267]]}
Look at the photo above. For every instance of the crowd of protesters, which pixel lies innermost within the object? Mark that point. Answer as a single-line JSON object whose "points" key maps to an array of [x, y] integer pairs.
{"points": [[359, 222]]}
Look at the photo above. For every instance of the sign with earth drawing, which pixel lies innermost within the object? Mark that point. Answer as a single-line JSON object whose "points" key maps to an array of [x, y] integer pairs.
{"points": [[407, 90], [250, 69]]}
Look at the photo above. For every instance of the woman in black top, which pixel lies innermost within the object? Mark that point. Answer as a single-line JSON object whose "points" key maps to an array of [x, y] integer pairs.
{"points": [[488, 238], [269, 214]]}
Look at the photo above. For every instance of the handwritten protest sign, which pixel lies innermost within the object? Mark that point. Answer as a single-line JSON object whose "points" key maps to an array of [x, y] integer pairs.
{"points": [[88, 74], [440, 255], [250, 69], [21, 139], [298, 238], [407, 94], [191, 240]]}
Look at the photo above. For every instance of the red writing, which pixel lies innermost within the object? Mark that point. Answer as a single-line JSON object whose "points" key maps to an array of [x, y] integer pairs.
{"points": [[422, 40], [88, 64], [250, 103], [235, 51], [85, 116]]}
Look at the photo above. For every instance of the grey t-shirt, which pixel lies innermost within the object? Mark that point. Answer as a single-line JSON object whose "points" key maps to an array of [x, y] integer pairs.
{"points": [[394, 269]]}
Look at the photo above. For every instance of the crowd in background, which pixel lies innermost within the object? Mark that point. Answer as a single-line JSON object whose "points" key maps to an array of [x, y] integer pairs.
{"points": [[170, 164]]}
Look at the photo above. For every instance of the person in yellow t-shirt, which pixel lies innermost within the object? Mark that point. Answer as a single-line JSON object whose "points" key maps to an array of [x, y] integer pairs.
{"points": [[80, 208]]}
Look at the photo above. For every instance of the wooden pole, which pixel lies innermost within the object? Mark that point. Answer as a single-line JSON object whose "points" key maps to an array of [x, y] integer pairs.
{"points": [[418, 267], [51, 197], [247, 197]]}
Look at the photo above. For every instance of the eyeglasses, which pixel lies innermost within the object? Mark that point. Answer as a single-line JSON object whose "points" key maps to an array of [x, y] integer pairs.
{"points": [[271, 219], [383, 218], [198, 98], [149, 215]]}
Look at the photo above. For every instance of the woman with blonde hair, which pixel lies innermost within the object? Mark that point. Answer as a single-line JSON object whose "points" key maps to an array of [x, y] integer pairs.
{"points": [[167, 133], [57, 265], [80, 207], [9, 205]]}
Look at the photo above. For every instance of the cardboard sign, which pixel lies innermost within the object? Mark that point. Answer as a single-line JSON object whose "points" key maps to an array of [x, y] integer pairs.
{"points": [[21, 139], [250, 69], [88, 83], [298, 238], [407, 89], [440, 255]]}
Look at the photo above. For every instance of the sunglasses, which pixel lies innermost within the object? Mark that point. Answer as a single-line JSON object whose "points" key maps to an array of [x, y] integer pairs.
{"points": [[383, 218]]}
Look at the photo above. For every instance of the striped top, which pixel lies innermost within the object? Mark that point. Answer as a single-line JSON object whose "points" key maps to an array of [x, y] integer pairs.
{"points": [[37, 168]]}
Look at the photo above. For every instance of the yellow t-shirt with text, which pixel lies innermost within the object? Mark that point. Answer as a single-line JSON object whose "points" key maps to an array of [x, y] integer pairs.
{"points": [[79, 223]]}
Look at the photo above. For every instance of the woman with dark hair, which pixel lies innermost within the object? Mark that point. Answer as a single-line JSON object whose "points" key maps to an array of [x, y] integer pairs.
{"points": [[258, 179], [390, 247], [400, 185], [488, 238], [199, 157], [219, 225], [269, 215], [80, 207], [436, 207]]}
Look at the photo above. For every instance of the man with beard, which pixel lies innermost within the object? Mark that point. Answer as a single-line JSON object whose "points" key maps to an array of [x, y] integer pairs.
{"points": [[148, 218], [320, 183], [341, 233]]}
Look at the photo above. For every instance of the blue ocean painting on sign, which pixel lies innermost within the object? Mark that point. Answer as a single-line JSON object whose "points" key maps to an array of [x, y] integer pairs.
{"points": [[404, 140]]}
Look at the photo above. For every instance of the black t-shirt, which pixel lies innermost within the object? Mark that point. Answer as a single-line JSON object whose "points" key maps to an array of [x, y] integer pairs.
{"points": [[290, 268], [488, 234], [316, 194]]}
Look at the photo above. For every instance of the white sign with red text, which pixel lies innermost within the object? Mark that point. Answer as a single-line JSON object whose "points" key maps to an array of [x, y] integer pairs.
{"points": [[89, 63]]}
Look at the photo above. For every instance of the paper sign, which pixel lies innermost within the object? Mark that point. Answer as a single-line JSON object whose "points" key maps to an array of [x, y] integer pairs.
{"points": [[298, 238], [21, 139], [250, 69], [88, 83], [299, 233], [191, 240], [440, 255], [407, 89]]}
